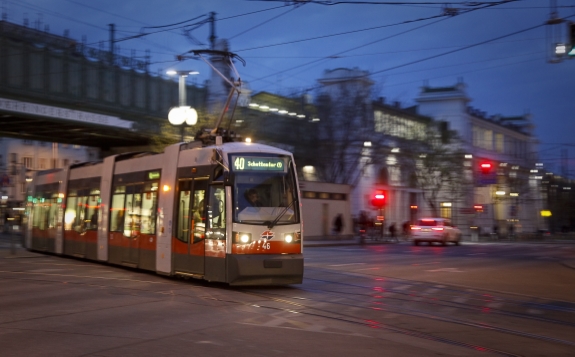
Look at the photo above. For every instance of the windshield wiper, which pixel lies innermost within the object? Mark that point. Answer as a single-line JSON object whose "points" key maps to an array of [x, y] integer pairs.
{"points": [[276, 220]]}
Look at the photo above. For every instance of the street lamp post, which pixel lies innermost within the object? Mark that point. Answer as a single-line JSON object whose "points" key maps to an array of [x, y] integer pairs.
{"points": [[183, 113]]}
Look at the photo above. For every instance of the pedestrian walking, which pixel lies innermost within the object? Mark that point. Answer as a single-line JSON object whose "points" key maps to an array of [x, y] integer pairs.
{"points": [[393, 232], [406, 229], [5, 227], [338, 224]]}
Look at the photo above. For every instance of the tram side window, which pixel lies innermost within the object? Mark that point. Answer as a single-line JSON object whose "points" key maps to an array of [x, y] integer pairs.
{"points": [[217, 212], [191, 215], [133, 207], [40, 214], [149, 208], [53, 212], [70, 212], [82, 208], [183, 230], [45, 212], [198, 213], [72, 215], [93, 209], [117, 209]]}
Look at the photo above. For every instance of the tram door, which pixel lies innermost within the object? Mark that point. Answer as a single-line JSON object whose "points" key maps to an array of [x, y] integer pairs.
{"points": [[189, 243], [131, 237]]}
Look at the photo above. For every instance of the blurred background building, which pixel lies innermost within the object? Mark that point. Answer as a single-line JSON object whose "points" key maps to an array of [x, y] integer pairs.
{"points": [[62, 102]]}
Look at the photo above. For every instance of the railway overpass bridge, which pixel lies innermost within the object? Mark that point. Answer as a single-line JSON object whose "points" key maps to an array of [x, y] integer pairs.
{"points": [[55, 89]]}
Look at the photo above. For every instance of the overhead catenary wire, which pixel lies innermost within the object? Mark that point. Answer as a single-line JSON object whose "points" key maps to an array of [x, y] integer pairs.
{"points": [[261, 24], [442, 17]]}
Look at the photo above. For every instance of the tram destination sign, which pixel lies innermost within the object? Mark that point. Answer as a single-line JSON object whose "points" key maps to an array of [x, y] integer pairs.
{"points": [[257, 163]]}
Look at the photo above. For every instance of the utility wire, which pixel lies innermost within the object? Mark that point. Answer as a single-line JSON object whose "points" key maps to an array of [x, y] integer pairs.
{"points": [[461, 48], [443, 3], [441, 16], [335, 34], [263, 23], [251, 13], [174, 24], [457, 50]]}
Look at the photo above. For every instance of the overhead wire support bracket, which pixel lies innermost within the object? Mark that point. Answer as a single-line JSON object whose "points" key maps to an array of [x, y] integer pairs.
{"points": [[235, 86]]}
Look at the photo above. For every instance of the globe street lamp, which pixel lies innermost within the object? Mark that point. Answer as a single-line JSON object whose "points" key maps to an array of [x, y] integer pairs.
{"points": [[183, 113]]}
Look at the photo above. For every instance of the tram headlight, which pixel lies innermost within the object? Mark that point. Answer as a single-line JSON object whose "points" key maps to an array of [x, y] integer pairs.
{"points": [[294, 237], [242, 237]]}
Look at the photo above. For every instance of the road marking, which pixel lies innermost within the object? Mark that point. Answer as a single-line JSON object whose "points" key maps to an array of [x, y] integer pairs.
{"points": [[402, 287], [450, 270], [495, 305], [476, 254]]}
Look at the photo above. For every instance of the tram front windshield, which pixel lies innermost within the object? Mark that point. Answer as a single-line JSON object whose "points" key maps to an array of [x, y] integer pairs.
{"points": [[264, 190]]}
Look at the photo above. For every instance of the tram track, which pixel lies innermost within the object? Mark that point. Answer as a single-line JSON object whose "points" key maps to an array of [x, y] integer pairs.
{"points": [[361, 301], [411, 312], [447, 301], [289, 307], [459, 290], [336, 303]]}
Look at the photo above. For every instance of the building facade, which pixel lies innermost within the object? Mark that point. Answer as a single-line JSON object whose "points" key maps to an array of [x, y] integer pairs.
{"points": [[507, 198], [20, 158]]}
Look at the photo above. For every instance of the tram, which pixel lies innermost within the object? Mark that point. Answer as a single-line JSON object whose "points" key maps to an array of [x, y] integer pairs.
{"points": [[184, 212], [189, 211]]}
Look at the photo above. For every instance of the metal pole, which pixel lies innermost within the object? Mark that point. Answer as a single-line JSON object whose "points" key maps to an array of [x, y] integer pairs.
{"points": [[12, 245], [182, 90], [112, 43], [382, 212], [212, 30]]}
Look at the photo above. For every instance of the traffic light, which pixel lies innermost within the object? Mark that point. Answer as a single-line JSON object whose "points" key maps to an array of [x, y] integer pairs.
{"points": [[571, 32], [486, 167], [487, 173], [379, 199]]}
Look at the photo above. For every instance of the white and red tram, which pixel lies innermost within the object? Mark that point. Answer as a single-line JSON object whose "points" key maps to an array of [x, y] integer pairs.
{"points": [[182, 212]]}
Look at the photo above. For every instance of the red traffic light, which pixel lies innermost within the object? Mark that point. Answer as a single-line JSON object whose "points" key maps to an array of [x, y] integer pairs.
{"points": [[486, 167], [378, 199]]}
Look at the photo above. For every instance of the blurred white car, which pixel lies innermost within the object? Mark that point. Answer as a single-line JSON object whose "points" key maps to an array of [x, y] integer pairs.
{"points": [[435, 230]]}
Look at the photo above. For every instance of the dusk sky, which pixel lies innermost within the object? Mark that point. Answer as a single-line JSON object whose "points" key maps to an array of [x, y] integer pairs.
{"points": [[500, 49]]}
